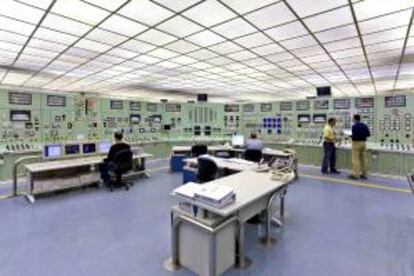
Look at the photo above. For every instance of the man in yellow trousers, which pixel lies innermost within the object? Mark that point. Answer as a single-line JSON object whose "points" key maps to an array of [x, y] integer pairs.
{"points": [[360, 133]]}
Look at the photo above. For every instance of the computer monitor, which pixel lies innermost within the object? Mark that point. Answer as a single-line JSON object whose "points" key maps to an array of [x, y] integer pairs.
{"points": [[237, 141], [89, 148], [72, 149], [104, 146], [52, 151]]}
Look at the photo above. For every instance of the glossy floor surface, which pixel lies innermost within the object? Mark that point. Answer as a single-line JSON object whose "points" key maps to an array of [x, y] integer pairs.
{"points": [[332, 228]]}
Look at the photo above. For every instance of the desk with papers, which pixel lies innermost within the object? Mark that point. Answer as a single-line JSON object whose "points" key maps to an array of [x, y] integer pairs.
{"points": [[254, 193]]}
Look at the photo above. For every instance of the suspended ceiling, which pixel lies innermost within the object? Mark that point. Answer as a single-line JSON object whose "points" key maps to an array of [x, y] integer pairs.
{"points": [[246, 50]]}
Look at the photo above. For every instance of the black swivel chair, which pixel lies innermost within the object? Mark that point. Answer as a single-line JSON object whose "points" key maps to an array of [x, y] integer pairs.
{"points": [[123, 163], [410, 178], [207, 170], [253, 155], [198, 150]]}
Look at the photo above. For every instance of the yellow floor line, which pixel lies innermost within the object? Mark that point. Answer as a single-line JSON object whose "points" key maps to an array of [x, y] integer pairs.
{"points": [[357, 183]]}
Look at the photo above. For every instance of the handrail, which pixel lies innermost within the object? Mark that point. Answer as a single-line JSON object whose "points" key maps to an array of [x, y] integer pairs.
{"points": [[15, 166]]}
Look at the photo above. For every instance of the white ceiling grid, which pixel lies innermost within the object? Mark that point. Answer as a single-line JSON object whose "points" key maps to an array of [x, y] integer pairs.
{"points": [[231, 49]]}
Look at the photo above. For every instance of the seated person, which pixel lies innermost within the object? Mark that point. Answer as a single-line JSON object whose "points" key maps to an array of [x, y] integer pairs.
{"points": [[107, 165], [254, 143]]}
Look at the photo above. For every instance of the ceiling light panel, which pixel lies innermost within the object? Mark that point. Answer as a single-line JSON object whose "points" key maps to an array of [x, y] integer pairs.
{"points": [[145, 12], [343, 44], [205, 38], [111, 5], [271, 16], [226, 48], [308, 51], [306, 7], [234, 28], [267, 49], [156, 37], [123, 26], [340, 33], [59, 23], [247, 6], [385, 22], [331, 19], [79, 10], [393, 34], [253, 40], [137, 46], [20, 11], [372, 8], [209, 13], [122, 53], [43, 33], [243, 55], [162, 53], [177, 6], [92, 45], [287, 31], [300, 42], [16, 26], [182, 46], [179, 26], [106, 37], [46, 45]]}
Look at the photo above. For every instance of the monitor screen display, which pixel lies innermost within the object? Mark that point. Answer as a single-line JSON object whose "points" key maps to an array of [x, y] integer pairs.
{"points": [[72, 149], [52, 151], [237, 141], [104, 146], [89, 148]]}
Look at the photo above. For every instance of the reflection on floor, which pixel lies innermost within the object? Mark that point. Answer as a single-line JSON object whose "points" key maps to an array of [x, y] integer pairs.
{"points": [[330, 230]]}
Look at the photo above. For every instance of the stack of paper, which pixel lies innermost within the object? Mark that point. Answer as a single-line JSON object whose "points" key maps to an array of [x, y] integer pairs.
{"points": [[188, 190], [215, 195]]}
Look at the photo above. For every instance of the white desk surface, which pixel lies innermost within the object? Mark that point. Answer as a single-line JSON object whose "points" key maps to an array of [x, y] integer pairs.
{"points": [[72, 163], [266, 151], [210, 148], [249, 187], [235, 164]]}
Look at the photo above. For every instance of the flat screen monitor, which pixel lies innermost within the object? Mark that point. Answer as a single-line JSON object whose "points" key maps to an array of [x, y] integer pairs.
{"points": [[72, 149], [167, 127], [104, 146], [237, 141], [89, 148], [52, 151]]}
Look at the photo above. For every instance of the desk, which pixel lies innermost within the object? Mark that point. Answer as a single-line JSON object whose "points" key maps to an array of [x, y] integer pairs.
{"points": [[255, 193], [232, 164], [79, 171]]}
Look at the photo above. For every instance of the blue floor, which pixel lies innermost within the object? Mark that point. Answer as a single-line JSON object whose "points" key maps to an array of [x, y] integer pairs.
{"points": [[330, 230]]}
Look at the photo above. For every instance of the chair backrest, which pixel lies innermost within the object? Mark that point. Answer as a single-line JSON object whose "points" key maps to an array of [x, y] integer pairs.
{"points": [[253, 155], [410, 178], [123, 161], [207, 170], [223, 154], [198, 150]]}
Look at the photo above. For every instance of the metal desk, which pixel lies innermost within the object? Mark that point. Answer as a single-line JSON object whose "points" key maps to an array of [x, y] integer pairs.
{"points": [[35, 169], [254, 193]]}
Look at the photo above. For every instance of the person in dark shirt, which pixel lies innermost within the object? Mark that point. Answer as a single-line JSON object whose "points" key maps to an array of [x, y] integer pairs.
{"points": [[360, 133], [107, 165]]}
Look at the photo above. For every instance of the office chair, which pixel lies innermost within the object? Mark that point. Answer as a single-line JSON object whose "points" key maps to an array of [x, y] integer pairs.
{"points": [[223, 154], [197, 150], [253, 155], [122, 164], [207, 170], [410, 178]]}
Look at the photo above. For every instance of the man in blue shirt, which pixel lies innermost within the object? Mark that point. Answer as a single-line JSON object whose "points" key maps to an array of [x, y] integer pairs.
{"points": [[254, 143], [360, 133]]}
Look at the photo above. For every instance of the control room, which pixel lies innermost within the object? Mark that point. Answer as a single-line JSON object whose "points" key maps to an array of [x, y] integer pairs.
{"points": [[206, 137]]}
